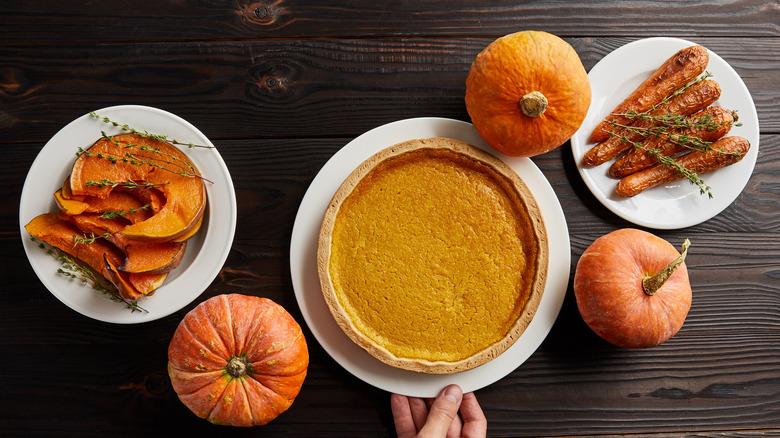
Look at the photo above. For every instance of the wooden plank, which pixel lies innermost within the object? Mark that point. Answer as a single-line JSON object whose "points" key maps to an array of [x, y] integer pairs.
{"points": [[289, 88], [725, 359], [76, 21]]}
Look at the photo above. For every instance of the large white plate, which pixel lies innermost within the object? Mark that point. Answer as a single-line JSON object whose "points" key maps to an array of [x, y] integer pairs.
{"points": [[679, 204], [206, 251], [303, 263]]}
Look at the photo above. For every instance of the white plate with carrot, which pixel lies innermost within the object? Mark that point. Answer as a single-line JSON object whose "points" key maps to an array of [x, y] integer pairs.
{"points": [[656, 77]]}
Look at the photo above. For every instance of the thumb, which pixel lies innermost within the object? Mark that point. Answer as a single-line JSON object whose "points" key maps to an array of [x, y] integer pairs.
{"points": [[443, 411]]}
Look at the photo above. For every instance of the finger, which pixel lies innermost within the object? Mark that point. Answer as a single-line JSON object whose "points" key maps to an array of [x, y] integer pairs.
{"points": [[402, 416], [474, 421], [419, 410], [456, 428], [443, 411]]}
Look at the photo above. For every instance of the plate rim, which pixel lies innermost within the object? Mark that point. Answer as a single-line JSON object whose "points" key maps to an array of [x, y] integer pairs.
{"points": [[217, 249], [306, 284]]}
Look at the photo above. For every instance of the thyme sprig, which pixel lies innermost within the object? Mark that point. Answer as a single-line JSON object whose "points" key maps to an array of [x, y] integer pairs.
{"points": [[668, 161], [681, 90], [150, 156], [129, 185], [146, 134], [177, 162], [705, 122], [663, 123], [668, 126], [85, 239], [114, 214], [681, 170], [140, 160], [75, 270]]}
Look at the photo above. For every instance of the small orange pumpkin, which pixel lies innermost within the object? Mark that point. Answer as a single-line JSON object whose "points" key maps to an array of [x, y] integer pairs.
{"points": [[632, 288], [527, 93], [238, 360]]}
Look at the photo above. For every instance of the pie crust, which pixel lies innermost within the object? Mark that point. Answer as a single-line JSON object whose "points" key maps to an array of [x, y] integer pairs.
{"points": [[433, 256]]}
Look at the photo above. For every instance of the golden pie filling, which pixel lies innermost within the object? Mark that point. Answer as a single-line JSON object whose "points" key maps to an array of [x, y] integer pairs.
{"points": [[433, 256]]}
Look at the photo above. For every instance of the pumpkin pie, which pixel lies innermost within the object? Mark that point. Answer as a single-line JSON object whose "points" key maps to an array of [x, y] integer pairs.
{"points": [[433, 256]]}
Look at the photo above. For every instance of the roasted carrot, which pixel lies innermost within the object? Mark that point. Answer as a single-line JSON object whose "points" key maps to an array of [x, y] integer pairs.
{"points": [[708, 126], [677, 71], [724, 152], [695, 98]]}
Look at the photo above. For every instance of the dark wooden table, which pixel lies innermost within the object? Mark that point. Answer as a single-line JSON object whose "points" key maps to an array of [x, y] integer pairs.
{"points": [[281, 86]]}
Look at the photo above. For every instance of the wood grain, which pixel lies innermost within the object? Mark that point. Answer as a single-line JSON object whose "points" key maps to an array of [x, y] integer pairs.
{"points": [[341, 88], [280, 87], [31, 22]]}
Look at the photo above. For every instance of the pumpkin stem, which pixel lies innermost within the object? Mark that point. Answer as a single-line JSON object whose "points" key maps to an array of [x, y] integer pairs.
{"points": [[651, 283], [533, 104], [237, 367]]}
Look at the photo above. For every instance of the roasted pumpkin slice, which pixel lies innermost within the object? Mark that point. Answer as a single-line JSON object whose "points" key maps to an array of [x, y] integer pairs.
{"points": [[66, 193], [99, 255], [120, 280], [69, 205], [130, 157], [141, 257], [186, 236], [153, 257], [120, 204], [147, 283], [150, 196]]}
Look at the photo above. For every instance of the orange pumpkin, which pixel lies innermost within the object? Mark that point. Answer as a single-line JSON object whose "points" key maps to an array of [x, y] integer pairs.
{"points": [[632, 288], [527, 93], [238, 360]]}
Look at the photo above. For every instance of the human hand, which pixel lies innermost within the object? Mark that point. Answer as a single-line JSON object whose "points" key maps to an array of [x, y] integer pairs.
{"points": [[414, 417]]}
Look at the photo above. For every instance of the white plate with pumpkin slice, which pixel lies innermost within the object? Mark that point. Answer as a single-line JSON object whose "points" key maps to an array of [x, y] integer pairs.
{"points": [[303, 263], [206, 252], [679, 204]]}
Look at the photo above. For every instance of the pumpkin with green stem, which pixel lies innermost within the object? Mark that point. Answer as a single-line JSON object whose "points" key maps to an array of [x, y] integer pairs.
{"points": [[632, 288]]}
